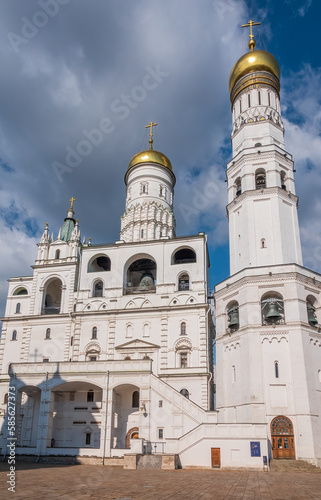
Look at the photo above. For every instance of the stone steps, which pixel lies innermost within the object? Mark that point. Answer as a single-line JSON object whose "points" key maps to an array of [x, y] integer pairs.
{"points": [[292, 466]]}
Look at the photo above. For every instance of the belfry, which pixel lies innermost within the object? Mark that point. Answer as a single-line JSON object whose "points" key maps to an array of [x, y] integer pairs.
{"points": [[109, 349]]}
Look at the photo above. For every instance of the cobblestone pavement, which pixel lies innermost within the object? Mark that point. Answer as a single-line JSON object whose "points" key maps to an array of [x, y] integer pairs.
{"points": [[46, 482]]}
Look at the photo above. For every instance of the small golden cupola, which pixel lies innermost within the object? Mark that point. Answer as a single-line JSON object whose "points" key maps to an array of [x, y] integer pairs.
{"points": [[255, 69]]}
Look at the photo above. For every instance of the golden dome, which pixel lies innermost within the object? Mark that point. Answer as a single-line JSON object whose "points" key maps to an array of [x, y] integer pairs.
{"points": [[150, 156], [255, 60]]}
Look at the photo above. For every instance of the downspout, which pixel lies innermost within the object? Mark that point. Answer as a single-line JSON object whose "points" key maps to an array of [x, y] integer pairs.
{"points": [[105, 430]]}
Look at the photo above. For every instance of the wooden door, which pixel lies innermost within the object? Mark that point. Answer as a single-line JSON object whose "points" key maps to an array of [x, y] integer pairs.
{"points": [[282, 438], [216, 457]]}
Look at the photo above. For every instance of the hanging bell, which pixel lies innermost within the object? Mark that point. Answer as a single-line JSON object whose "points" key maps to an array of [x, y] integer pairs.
{"points": [[312, 317], [146, 281], [272, 312], [233, 318]]}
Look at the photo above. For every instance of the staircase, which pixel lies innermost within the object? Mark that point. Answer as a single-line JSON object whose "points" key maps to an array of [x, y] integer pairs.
{"points": [[292, 466]]}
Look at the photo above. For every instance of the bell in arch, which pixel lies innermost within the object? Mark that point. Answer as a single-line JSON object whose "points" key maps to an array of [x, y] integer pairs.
{"points": [[233, 315], [146, 281], [272, 312], [311, 316]]}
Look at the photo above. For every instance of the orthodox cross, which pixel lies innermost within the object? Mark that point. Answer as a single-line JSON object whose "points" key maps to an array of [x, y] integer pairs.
{"points": [[151, 125], [250, 24], [72, 203]]}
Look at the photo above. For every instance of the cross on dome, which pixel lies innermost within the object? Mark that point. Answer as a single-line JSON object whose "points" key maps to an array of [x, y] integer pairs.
{"points": [[151, 125], [252, 41]]}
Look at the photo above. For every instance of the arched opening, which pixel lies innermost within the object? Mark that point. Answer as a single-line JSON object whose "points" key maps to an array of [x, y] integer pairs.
{"points": [[272, 308], [238, 187], [14, 335], [184, 256], [52, 297], [132, 434], [282, 437], [283, 178], [183, 328], [141, 277], [276, 369], [232, 311], [18, 307], [98, 289], [183, 282], [185, 393], [99, 264], [92, 354], [260, 178], [48, 331], [57, 254], [90, 396], [311, 311], [20, 291], [94, 332]]}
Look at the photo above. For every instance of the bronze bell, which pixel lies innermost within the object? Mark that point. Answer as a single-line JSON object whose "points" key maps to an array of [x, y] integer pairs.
{"points": [[272, 312], [312, 317], [233, 318], [146, 281]]}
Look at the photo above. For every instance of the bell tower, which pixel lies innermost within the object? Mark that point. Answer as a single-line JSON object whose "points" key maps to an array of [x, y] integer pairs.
{"points": [[262, 204]]}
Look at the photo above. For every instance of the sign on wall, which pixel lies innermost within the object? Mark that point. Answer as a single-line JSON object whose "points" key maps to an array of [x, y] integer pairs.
{"points": [[255, 448]]}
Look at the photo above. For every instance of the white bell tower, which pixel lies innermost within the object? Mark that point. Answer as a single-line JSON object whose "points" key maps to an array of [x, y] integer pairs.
{"points": [[262, 204]]}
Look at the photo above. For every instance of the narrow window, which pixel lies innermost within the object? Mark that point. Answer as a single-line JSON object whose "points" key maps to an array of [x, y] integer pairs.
{"points": [[5, 401], [90, 396], [160, 433], [249, 100], [183, 328], [98, 289], [72, 341], [269, 98], [262, 243], [233, 374], [48, 334], [259, 97], [57, 254], [160, 402], [135, 399], [143, 188], [276, 369], [241, 105], [14, 335], [94, 332], [142, 233], [18, 306], [183, 282], [183, 359], [88, 435]]}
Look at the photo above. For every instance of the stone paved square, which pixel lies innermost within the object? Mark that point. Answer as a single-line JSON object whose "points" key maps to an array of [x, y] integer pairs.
{"points": [[80, 482]]}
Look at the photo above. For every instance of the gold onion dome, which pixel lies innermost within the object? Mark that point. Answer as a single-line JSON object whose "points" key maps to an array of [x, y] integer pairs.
{"points": [[150, 156], [256, 60]]}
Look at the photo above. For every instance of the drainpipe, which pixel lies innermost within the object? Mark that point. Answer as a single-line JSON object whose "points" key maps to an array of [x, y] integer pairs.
{"points": [[105, 431]]}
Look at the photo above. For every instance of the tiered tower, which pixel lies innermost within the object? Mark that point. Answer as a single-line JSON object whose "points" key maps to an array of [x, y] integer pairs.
{"points": [[150, 182], [268, 311]]}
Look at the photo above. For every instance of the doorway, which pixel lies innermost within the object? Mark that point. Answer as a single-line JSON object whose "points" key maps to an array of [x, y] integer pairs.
{"points": [[282, 436], [216, 458]]}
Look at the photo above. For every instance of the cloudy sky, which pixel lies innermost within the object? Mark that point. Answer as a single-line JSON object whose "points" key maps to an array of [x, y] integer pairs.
{"points": [[70, 67]]}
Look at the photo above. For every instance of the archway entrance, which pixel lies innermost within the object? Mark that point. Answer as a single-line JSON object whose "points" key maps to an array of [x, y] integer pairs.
{"points": [[131, 434], [282, 438]]}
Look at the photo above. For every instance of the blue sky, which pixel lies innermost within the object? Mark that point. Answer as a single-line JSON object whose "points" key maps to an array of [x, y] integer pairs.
{"points": [[65, 71]]}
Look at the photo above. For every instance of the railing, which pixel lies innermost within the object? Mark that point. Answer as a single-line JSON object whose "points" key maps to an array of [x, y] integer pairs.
{"points": [[136, 289], [153, 447]]}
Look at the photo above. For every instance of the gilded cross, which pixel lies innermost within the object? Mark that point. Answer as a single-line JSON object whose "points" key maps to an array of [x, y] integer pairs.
{"points": [[151, 125], [251, 36], [72, 203]]}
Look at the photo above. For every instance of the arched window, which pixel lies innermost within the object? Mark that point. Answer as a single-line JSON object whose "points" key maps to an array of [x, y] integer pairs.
{"points": [[238, 187], [283, 177], [127, 358], [52, 297], [146, 330], [183, 282], [185, 393], [183, 328], [184, 256], [90, 396], [276, 369], [18, 306], [142, 233], [5, 401], [249, 99], [233, 374], [135, 399], [48, 331], [99, 264], [14, 335], [311, 311], [146, 357], [233, 316], [94, 332], [57, 254], [21, 291], [141, 276], [263, 243], [260, 179], [98, 289], [259, 97], [129, 330], [272, 308]]}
